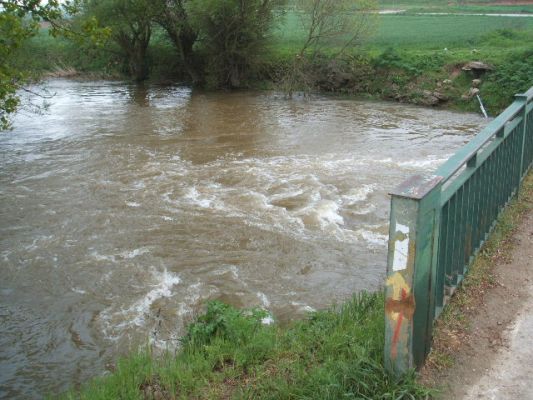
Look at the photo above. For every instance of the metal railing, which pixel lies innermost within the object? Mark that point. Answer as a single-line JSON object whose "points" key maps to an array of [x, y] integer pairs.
{"points": [[439, 222]]}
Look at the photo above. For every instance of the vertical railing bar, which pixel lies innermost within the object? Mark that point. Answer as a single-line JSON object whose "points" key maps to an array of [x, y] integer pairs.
{"points": [[476, 223], [449, 249], [441, 266], [497, 188], [481, 191], [486, 199], [523, 98], [464, 218], [500, 168], [458, 239], [467, 227]]}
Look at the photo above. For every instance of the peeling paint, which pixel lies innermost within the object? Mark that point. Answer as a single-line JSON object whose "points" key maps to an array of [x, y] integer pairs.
{"points": [[401, 248]]}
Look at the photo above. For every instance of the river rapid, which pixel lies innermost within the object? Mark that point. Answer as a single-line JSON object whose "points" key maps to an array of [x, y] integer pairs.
{"points": [[123, 209]]}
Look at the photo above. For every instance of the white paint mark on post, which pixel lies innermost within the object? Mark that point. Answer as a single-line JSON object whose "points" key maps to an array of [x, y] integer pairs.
{"points": [[401, 249]]}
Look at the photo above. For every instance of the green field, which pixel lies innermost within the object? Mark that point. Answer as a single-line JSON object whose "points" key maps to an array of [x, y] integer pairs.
{"points": [[488, 6], [442, 31], [422, 31]]}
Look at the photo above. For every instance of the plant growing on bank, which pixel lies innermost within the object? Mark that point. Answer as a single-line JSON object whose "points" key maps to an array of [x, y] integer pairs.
{"points": [[130, 23], [228, 353], [19, 21], [173, 18], [232, 35], [330, 25]]}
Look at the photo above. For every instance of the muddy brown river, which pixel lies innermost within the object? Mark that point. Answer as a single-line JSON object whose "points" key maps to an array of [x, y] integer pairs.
{"points": [[124, 209]]}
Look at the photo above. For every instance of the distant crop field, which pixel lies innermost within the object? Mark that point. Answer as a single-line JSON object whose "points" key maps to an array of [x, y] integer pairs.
{"points": [[441, 30], [480, 6], [423, 31]]}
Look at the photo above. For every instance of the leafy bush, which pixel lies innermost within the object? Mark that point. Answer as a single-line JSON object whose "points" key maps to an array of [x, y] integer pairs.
{"points": [[224, 322], [508, 79]]}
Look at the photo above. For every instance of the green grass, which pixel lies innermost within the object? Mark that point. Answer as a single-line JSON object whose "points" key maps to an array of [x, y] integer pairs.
{"points": [[447, 31], [417, 31], [230, 354], [406, 4]]}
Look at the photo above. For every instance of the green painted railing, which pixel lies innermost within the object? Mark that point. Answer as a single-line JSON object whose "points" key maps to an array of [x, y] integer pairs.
{"points": [[439, 222]]}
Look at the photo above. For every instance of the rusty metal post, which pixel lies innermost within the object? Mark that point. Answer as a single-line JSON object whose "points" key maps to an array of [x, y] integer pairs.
{"points": [[411, 272]]}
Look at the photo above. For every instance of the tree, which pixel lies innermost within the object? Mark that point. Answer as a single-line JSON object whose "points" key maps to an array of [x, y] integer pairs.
{"points": [[130, 25], [231, 36], [19, 20], [337, 25], [173, 18]]}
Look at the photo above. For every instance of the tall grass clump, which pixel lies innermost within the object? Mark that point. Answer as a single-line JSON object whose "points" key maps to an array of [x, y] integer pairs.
{"points": [[230, 354]]}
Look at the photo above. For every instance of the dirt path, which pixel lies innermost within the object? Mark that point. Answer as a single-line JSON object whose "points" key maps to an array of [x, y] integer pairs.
{"points": [[496, 359]]}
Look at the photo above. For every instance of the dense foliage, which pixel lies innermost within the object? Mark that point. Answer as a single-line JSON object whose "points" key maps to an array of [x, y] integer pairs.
{"points": [[19, 20]]}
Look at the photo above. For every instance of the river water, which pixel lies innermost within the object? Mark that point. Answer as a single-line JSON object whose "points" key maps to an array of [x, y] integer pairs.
{"points": [[124, 209]]}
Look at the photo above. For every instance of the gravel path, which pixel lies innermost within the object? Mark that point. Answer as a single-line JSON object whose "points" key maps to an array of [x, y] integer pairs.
{"points": [[492, 349], [510, 374]]}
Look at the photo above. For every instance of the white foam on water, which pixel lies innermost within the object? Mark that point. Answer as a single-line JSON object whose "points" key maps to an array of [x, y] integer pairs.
{"points": [[139, 185], [133, 204], [322, 214], [430, 162], [268, 320], [167, 218], [135, 314], [162, 288], [193, 295], [5, 255], [231, 269], [102, 257], [264, 299], [363, 210], [303, 307], [194, 196], [374, 239], [78, 290], [255, 201], [135, 253], [357, 195]]}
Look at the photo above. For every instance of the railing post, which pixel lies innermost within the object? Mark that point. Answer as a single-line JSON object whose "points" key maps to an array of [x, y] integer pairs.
{"points": [[523, 99], [411, 272]]}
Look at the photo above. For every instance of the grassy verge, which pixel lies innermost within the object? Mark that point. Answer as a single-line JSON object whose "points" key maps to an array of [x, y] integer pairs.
{"points": [[230, 354], [457, 316]]}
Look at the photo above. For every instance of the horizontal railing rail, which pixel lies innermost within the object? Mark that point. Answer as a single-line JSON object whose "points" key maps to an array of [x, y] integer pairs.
{"points": [[440, 221]]}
